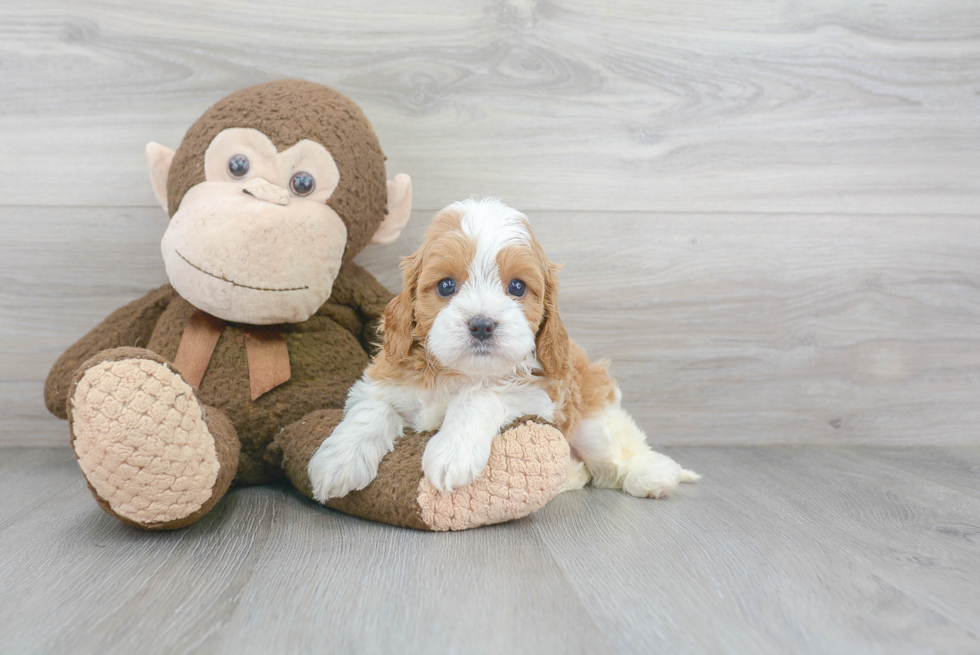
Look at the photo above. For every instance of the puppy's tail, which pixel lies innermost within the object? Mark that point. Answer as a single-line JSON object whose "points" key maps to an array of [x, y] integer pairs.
{"points": [[689, 476]]}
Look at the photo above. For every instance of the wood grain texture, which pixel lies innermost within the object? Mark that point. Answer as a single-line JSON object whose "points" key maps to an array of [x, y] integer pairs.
{"points": [[32, 477], [945, 466], [721, 329], [738, 565], [777, 550], [768, 215], [830, 106], [408, 592], [916, 535]]}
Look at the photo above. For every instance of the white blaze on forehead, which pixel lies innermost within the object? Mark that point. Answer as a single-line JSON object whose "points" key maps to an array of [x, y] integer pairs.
{"points": [[492, 226]]}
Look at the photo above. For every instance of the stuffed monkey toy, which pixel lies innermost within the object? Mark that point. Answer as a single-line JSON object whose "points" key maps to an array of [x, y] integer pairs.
{"points": [[238, 370]]}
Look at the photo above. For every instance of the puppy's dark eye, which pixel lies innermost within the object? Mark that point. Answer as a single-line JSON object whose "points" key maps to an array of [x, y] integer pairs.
{"points": [[517, 288], [446, 287], [238, 166], [302, 184]]}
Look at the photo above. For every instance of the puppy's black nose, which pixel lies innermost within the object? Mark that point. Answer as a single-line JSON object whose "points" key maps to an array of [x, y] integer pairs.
{"points": [[482, 327]]}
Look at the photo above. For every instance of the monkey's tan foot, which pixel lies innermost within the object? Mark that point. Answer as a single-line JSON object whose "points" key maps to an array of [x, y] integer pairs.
{"points": [[528, 465], [153, 455]]}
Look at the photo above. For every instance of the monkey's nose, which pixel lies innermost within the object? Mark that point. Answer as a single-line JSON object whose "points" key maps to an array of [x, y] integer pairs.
{"points": [[266, 191]]}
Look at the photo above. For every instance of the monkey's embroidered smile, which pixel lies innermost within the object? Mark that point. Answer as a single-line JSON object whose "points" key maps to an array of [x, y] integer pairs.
{"points": [[237, 284]]}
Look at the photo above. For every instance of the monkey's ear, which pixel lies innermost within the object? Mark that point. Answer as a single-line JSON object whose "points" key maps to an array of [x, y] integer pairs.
{"points": [[399, 209], [160, 158]]}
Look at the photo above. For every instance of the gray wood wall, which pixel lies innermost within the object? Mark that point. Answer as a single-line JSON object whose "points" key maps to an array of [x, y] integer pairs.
{"points": [[767, 211]]}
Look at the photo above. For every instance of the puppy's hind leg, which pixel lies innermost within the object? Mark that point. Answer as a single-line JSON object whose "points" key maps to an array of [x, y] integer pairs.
{"points": [[615, 450], [649, 474], [578, 475]]}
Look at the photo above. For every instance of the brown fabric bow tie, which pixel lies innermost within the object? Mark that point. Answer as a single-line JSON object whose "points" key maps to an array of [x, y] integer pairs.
{"points": [[265, 349]]}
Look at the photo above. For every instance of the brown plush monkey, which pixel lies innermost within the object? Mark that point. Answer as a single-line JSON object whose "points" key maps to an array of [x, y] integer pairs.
{"points": [[238, 369]]}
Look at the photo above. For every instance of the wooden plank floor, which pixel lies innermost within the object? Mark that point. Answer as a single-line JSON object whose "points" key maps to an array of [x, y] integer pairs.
{"points": [[779, 549]]}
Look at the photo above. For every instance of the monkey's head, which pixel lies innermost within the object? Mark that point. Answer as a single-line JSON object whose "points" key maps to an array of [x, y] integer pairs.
{"points": [[270, 191]]}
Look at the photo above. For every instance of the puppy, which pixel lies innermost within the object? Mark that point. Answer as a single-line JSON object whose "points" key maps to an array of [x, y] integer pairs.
{"points": [[473, 342]]}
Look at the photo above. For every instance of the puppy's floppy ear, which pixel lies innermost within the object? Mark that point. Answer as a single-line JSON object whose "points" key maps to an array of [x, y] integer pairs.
{"points": [[552, 339], [399, 323]]}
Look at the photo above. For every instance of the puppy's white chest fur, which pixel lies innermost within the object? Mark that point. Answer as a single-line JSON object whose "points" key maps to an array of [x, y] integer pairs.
{"points": [[424, 409]]}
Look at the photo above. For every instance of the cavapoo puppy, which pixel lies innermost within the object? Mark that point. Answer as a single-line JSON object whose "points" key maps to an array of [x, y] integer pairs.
{"points": [[473, 342]]}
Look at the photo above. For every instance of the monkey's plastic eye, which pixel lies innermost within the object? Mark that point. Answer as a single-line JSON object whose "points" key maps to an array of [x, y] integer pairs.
{"points": [[517, 288], [302, 184], [446, 287], [238, 166]]}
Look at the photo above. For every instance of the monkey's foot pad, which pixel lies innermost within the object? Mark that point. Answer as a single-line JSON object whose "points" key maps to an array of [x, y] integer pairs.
{"points": [[527, 468], [141, 440]]}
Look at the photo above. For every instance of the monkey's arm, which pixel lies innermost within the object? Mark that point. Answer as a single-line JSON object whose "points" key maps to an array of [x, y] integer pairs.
{"points": [[358, 289], [130, 325]]}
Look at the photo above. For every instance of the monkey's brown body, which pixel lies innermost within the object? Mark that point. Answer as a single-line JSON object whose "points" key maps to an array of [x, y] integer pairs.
{"points": [[327, 354], [159, 453]]}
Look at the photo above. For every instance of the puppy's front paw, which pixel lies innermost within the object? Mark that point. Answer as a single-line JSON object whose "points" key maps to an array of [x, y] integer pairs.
{"points": [[652, 475], [338, 468], [450, 462]]}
